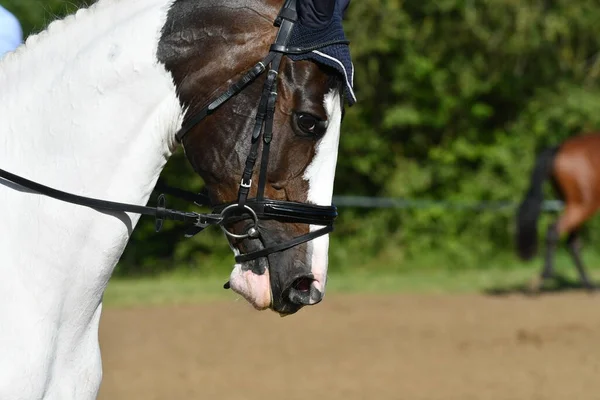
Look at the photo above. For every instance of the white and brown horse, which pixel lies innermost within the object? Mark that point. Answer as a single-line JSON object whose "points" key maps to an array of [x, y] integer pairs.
{"points": [[92, 106]]}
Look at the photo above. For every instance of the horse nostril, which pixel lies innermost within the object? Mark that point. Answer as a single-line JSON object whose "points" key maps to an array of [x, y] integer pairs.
{"points": [[302, 284], [303, 292]]}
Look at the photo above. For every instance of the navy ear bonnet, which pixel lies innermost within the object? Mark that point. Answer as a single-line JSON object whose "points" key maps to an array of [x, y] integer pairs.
{"points": [[320, 21]]}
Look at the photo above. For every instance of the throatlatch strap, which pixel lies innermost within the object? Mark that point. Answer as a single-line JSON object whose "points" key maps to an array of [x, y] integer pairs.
{"points": [[234, 89]]}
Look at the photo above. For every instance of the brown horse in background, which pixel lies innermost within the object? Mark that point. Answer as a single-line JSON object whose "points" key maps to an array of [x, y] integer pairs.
{"points": [[574, 171]]}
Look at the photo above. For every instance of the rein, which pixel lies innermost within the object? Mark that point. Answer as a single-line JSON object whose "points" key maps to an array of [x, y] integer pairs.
{"points": [[255, 209]]}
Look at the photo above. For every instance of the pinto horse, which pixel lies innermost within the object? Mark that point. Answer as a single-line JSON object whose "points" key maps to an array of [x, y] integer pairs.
{"points": [[92, 108], [574, 171]]}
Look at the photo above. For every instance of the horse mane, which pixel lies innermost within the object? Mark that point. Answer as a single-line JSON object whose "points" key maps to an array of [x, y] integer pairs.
{"points": [[57, 25]]}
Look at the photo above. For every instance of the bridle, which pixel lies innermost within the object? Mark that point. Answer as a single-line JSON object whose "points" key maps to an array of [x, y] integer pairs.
{"points": [[259, 207], [254, 209]]}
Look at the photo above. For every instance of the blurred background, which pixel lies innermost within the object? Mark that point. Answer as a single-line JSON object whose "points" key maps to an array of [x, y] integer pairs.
{"points": [[455, 99]]}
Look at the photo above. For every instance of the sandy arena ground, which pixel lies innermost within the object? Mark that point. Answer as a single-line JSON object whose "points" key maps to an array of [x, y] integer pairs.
{"points": [[447, 347]]}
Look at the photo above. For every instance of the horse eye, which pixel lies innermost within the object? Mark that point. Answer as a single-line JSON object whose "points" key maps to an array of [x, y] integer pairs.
{"points": [[310, 125]]}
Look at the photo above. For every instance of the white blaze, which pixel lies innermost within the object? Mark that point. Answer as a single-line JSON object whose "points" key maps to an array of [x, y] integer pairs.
{"points": [[320, 176]]}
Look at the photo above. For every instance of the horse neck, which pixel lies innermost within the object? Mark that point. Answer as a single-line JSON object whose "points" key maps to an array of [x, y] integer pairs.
{"points": [[86, 108]]}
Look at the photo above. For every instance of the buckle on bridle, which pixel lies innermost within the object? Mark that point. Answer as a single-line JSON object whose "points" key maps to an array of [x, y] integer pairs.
{"points": [[245, 185]]}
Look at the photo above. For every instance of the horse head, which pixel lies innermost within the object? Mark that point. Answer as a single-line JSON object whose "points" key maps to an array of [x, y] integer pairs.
{"points": [[264, 103]]}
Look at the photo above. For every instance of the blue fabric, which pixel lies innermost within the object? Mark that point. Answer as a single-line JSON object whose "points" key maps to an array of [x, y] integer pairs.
{"points": [[336, 56], [11, 34], [315, 13]]}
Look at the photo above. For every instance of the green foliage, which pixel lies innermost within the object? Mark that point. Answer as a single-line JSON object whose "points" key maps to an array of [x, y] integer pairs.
{"points": [[455, 99], [35, 15]]}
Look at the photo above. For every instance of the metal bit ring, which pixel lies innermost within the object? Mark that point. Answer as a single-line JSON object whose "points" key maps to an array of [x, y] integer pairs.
{"points": [[252, 232]]}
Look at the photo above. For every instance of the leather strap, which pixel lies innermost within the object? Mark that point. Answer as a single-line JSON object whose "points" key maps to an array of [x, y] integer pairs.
{"points": [[234, 89], [96, 204], [283, 246]]}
